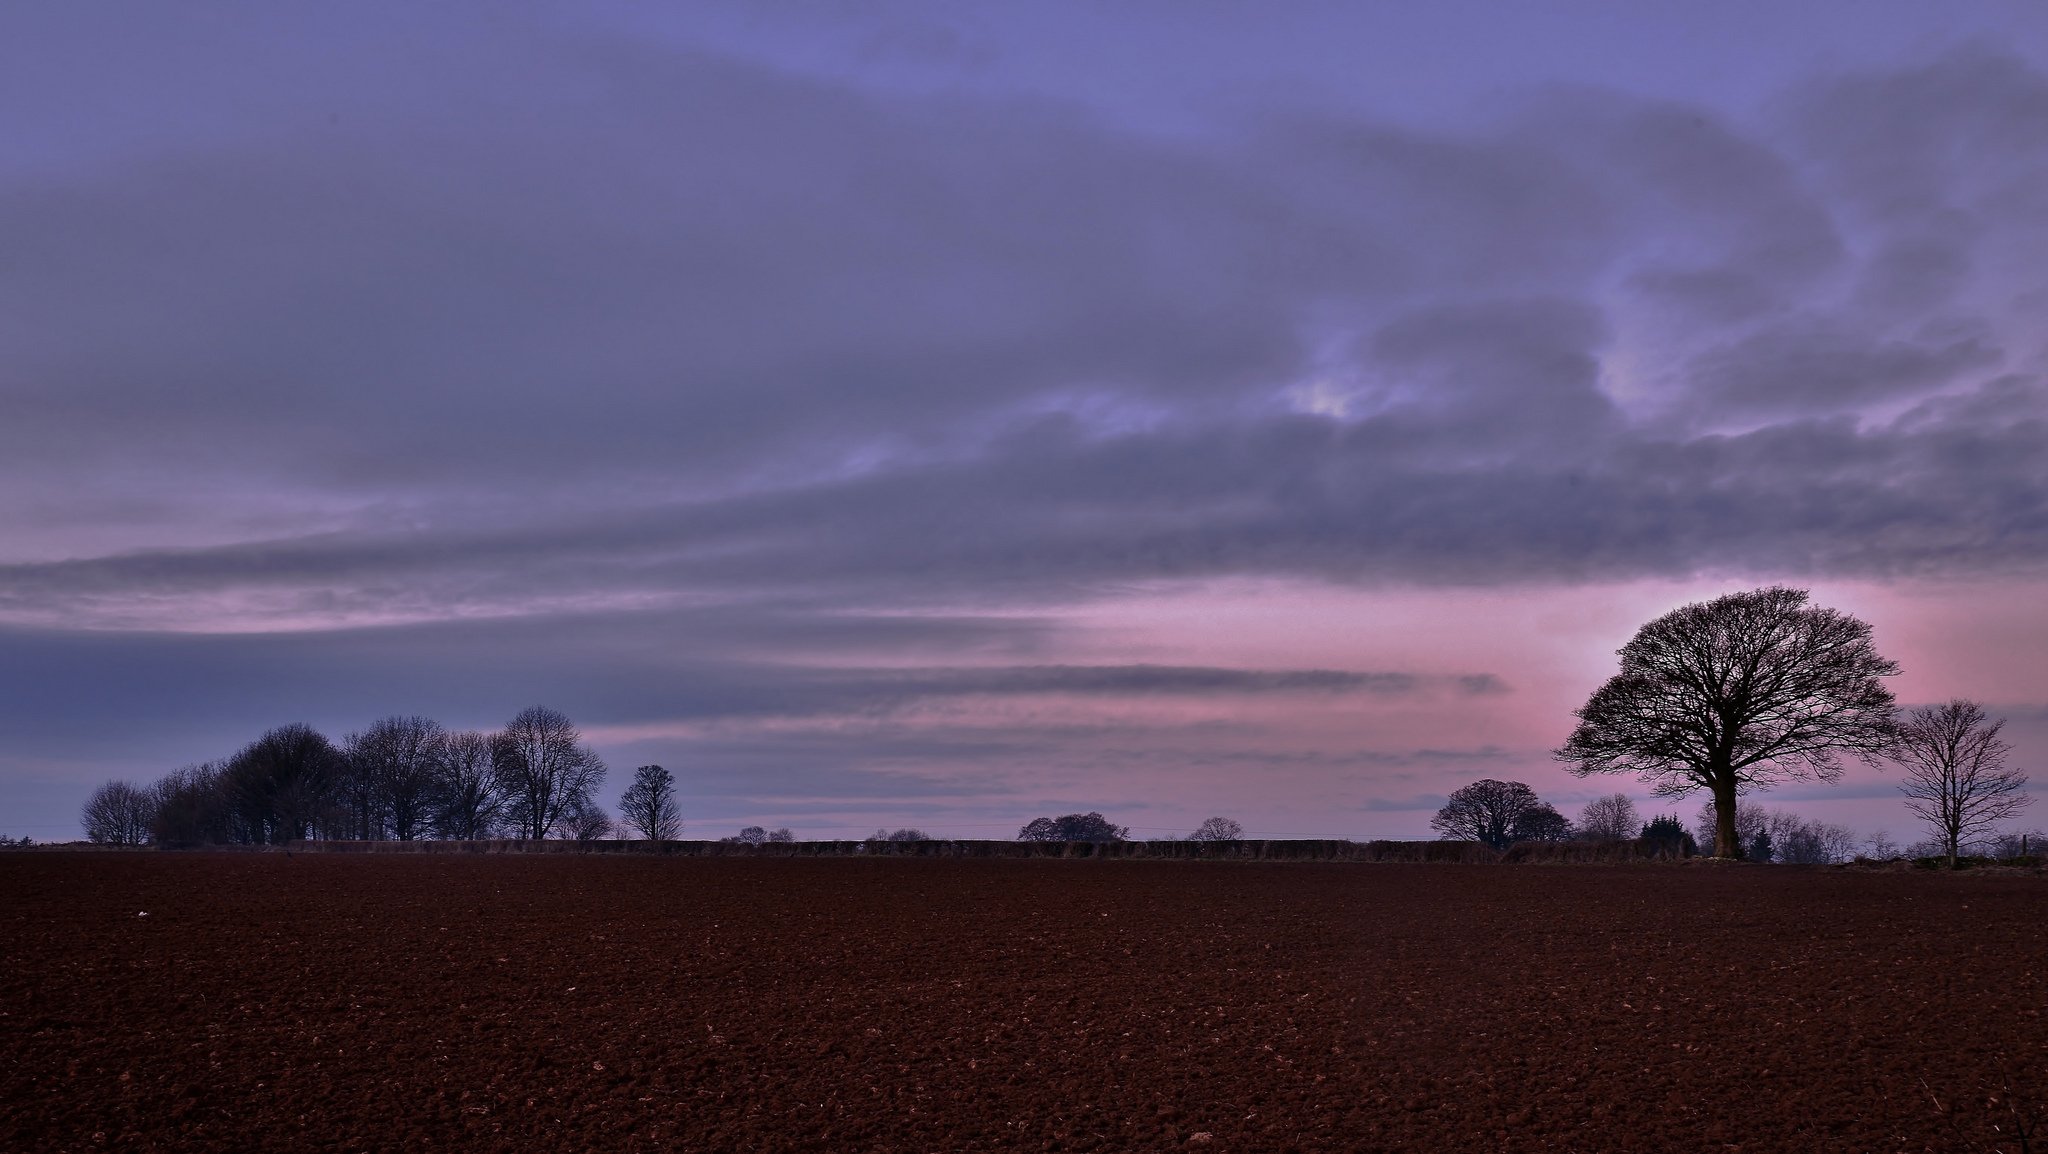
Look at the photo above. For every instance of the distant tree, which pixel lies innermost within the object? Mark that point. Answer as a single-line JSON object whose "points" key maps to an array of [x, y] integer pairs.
{"points": [[1610, 818], [397, 761], [1667, 835], [1760, 849], [280, 784], [1540, 822], [1486, 812], [1073, 827], [1814, 843], [900, 835], [2018, 843], [649, 804], [751, 835], [544, 770], [1880, 846], [1958, 780], [781, 836], [119, 813], [1217, 829], [1741, 691], [585, 820], [466, 801]]}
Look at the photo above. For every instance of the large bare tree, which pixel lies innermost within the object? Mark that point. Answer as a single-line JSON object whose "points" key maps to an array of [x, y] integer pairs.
{"points": [[1742, 691], [544, 770], [119, 813], [1958, 779]]}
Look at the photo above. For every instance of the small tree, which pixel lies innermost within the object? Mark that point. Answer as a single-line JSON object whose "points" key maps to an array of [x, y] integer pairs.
{"points": [[781, 836], [751, 835], [1073, 827], [1610, 818], [1486, 812], [649, 804], [118, 813], [900, 835], [1217, 829], [1957, 777], [1741, 691], [1760, 849]]}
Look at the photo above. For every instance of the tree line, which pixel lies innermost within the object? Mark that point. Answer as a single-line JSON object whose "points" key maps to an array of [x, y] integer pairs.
{"points": [[400, 778]]}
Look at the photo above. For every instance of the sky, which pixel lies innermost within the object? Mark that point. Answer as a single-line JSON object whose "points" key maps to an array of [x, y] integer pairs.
{"points": [[943, 415]]}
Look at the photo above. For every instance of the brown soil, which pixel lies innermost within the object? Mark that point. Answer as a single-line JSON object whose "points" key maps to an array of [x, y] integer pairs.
{"points": [[381, 1002]]}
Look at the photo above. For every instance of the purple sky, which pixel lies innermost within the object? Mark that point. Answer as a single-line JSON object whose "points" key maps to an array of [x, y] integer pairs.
{"points": [[943, 415]]}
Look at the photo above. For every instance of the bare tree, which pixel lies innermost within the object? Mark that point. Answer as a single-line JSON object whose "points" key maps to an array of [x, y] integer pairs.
{"points": [[118, 813], [896, 835], [1217, 829], [397, 761], [1485, 811], [1957, 777], [1744, 690], [466, 801], [1610, 818], [543, 768], [649, 804], [781, 836]]}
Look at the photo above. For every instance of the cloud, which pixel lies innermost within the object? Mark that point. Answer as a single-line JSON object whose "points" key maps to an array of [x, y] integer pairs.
{"points": [[1015, 354]]}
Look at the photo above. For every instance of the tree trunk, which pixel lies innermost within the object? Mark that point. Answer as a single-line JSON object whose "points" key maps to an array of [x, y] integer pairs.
{"points": [[1726, 844]]}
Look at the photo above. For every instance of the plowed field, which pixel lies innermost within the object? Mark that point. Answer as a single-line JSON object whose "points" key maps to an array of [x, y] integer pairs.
{"points": [[535, 1003]]}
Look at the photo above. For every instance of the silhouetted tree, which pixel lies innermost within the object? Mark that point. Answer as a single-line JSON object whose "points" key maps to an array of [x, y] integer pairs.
{"points": [[1760, 848], [194, 806], [1667, 835], [781, 837], [750, 835], [1486, 812], [280, 783], [649, 804], [1073, 827], [1958, 779], [466, 799], [1610, 818], [118, 813], [1217, 829], [900, 835], [544, 770], [1540, 822], [395, 762], [1743, 690]]}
